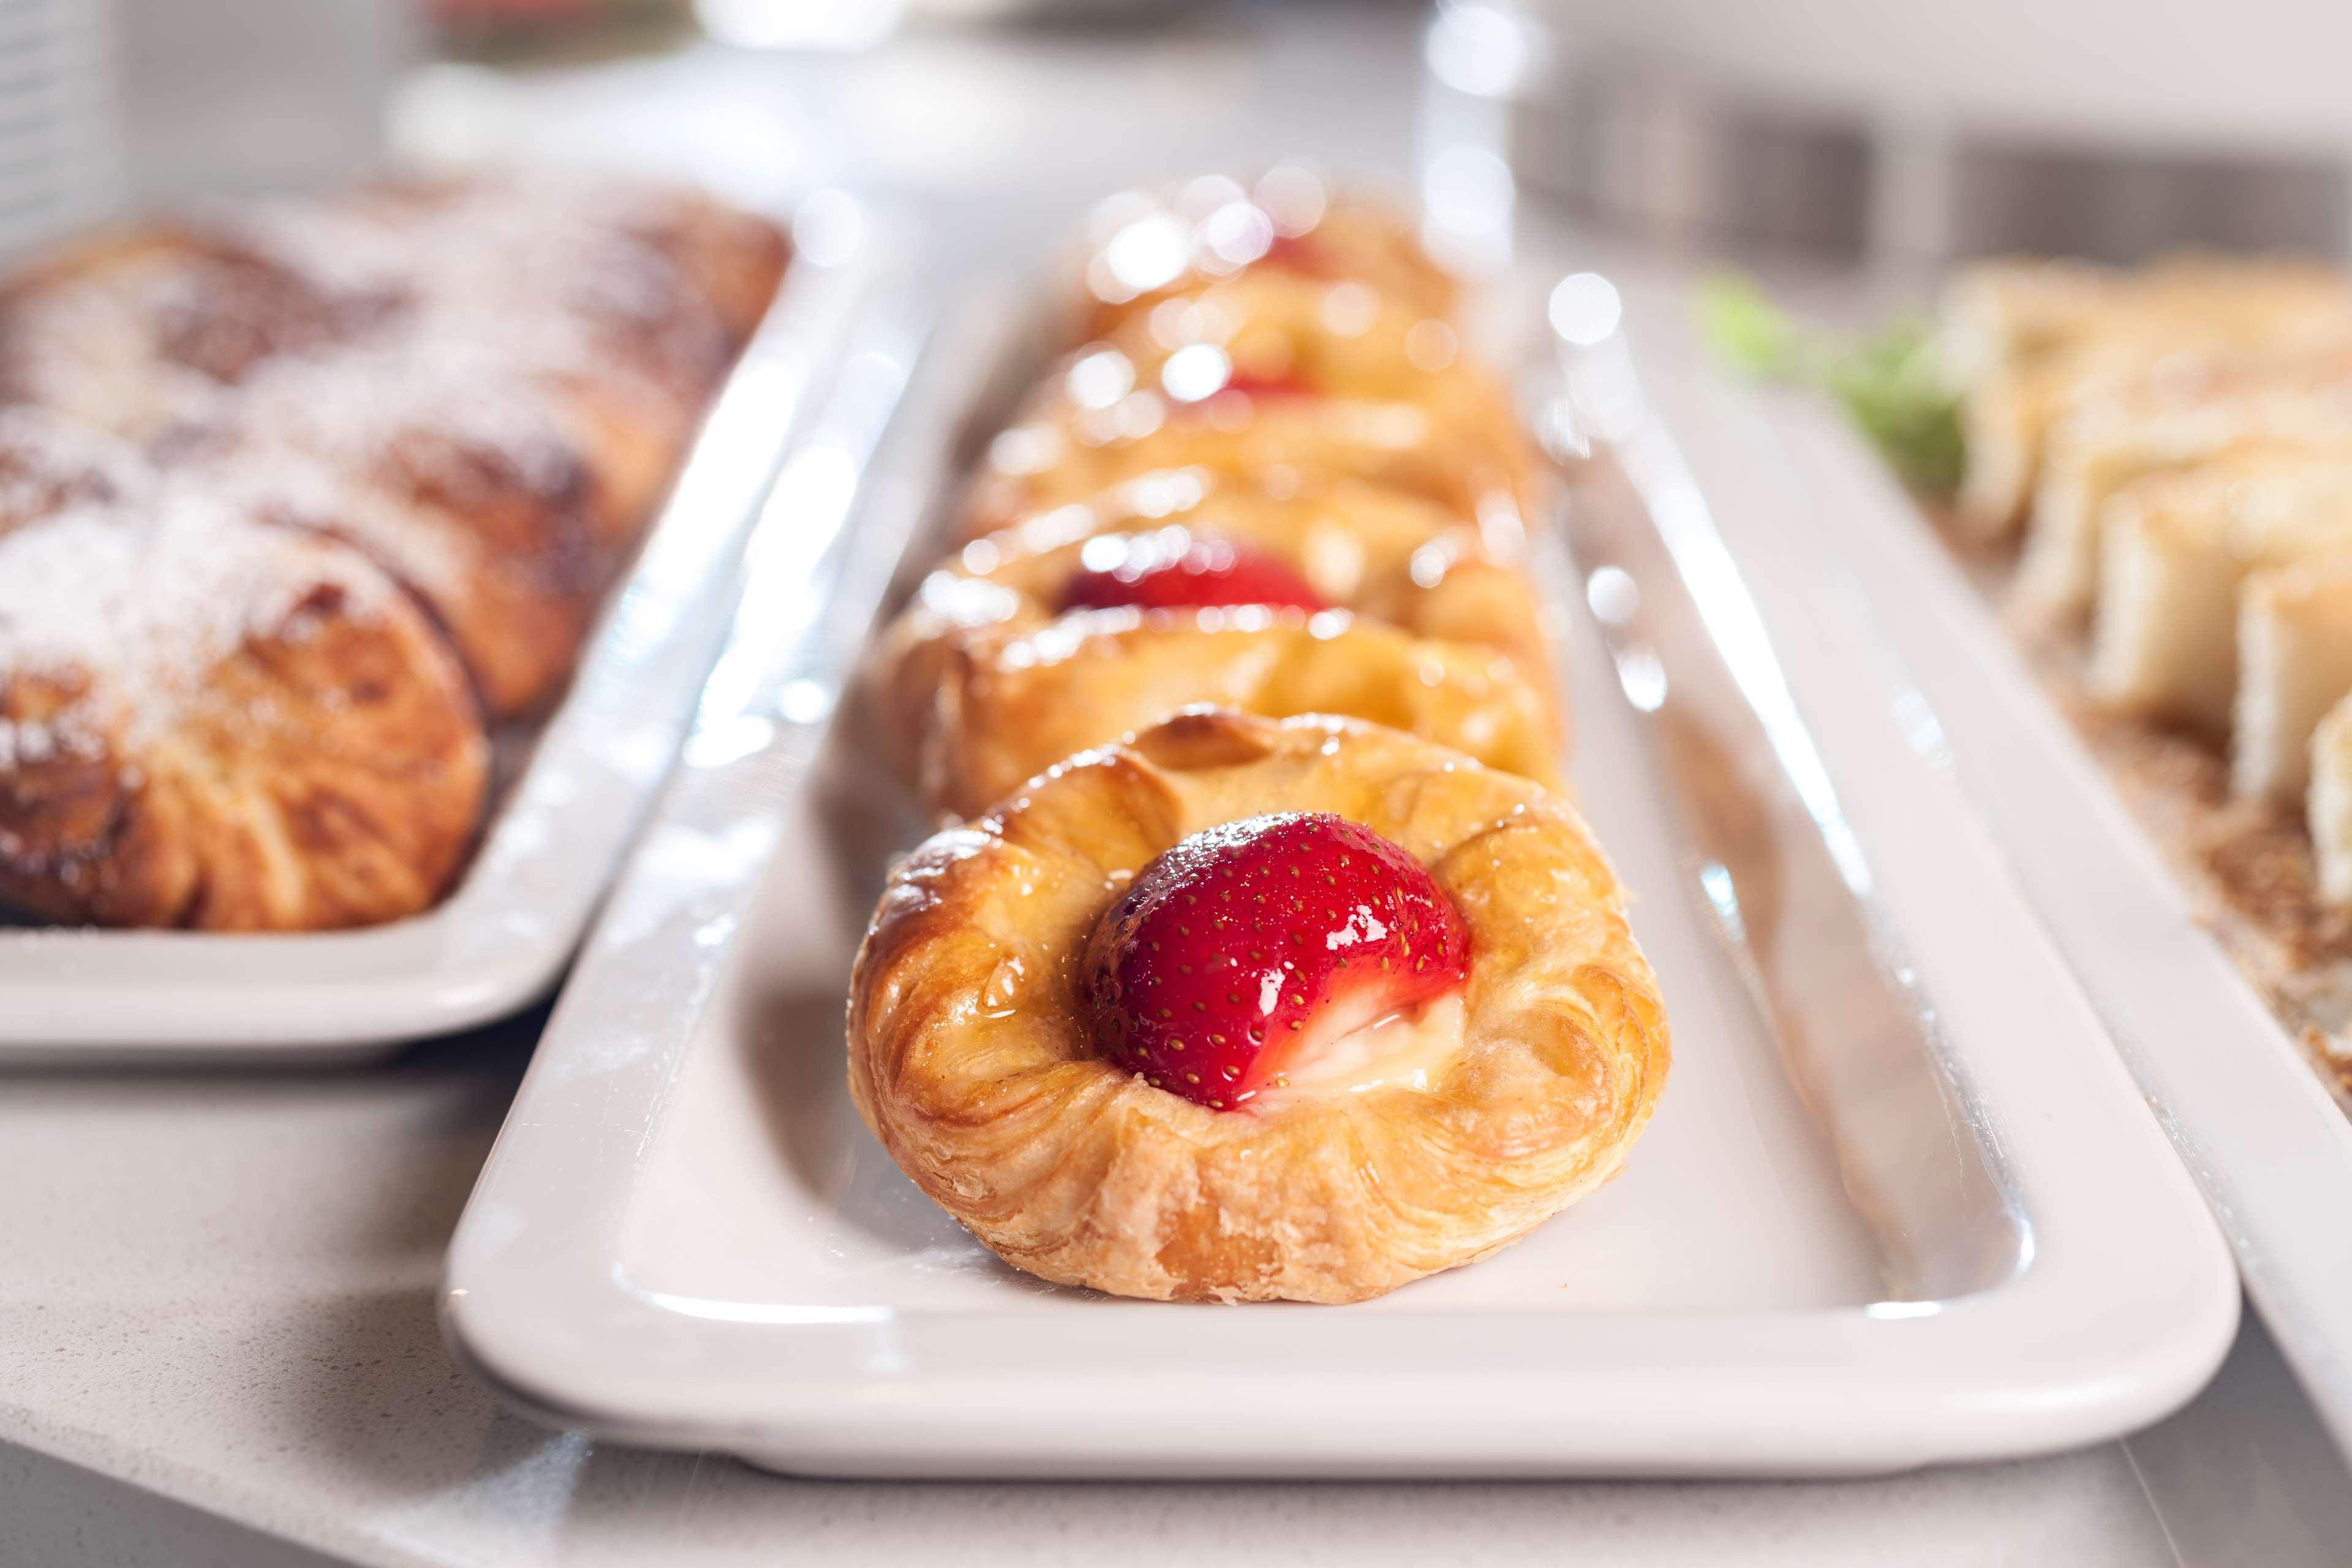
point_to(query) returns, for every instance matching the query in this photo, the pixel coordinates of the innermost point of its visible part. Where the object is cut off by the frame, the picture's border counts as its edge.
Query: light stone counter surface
(216, 1334)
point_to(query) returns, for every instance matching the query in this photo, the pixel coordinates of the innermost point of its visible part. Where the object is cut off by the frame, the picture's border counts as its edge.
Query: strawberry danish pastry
(1246, 1010)
(1147, 248)
(1171, 545)
(1100, 420)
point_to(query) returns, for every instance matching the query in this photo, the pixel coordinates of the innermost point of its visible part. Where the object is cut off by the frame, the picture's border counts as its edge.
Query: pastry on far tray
(2032, 341)
(2190, 408)
(2175, 550)
(1145, 247)
(460, 477)
(1010, 704)
(325, 462)
(1248, 1010)
(1181, 540)
(207, 721)
(1094, 425)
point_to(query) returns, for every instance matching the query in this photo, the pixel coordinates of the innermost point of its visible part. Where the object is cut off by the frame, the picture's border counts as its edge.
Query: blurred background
(1851, 128)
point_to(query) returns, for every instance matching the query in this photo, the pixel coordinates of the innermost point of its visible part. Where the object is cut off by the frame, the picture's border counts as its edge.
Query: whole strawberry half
(1197, 574)
(1247, 947)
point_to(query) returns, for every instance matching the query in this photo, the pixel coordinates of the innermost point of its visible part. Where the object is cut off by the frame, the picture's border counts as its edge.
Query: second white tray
(557, 832)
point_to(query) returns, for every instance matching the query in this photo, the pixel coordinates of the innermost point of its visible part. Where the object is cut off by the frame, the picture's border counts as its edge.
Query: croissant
(1385, 1149)
(207, 721)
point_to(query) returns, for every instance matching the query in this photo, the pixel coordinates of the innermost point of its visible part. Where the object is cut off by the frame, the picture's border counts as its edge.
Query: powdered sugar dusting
(354, 409)
(48, 461)
(535, 271)
(282, 483)
(143, 605)
(89, 347)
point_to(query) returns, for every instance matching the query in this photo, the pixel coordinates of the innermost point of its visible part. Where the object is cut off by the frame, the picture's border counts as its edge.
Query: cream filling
(1403, 1049)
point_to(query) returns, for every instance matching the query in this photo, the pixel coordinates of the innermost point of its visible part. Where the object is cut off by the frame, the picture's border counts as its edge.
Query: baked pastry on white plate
(2031, 341)
(2294, 663)
(2194, 408)
(208, 721)
(1178, 541)
(2175, 550)
(1095, 424)
(1247, 1010)
(2329, 807)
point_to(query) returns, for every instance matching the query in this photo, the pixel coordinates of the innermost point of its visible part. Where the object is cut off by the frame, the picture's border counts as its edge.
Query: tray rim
(536, 1303)
(2258, 1129)
(80, 996)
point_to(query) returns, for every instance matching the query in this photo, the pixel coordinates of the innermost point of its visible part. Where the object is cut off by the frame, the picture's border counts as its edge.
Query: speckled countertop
(217, 1336)
(219, 1290)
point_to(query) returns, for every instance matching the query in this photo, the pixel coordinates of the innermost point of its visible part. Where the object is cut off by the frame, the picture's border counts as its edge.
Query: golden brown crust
(481, 385)
(967, 1059)
(329, 768)
(1346, 239)
(1387, 555)
(1008, 705)
(1453, 445)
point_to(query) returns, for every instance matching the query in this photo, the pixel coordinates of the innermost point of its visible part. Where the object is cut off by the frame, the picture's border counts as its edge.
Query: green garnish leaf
(1890, 382)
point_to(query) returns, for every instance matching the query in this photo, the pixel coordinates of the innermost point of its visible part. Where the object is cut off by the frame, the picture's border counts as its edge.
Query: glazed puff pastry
(1092, 426)
(1387, 555)
(207, 721)
(1149, 247)
(971, 1059)
(1274, 329)
(1012, 704)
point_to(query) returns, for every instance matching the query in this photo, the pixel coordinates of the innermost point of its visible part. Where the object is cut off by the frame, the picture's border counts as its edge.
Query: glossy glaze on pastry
(1010, 704)
(1094, 424)
(1147, 246)
(1390, 557)
(974, 1060)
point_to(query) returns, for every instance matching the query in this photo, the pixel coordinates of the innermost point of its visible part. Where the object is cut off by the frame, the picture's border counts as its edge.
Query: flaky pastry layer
(969, 1057)
(1453, 444)
(1387, 556)
(1010, 705)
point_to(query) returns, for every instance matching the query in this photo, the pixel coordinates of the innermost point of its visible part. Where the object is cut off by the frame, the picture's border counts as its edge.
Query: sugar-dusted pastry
(1091, 425)
(1145, 247)
(1180, 540)
(1247, 1011)
(595, 276)
(454, 473)
(146, 333)
(208, 721)
(49, 463)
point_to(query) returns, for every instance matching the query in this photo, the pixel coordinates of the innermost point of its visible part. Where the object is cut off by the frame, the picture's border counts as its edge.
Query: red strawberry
(1146, 572)
(1242, 383)
(1246, 948)
(1300, 252)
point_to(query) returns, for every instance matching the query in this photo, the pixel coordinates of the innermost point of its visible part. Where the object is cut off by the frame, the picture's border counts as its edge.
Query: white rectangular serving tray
(557, 830)
(2250, 1119)
(1899, 1205)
